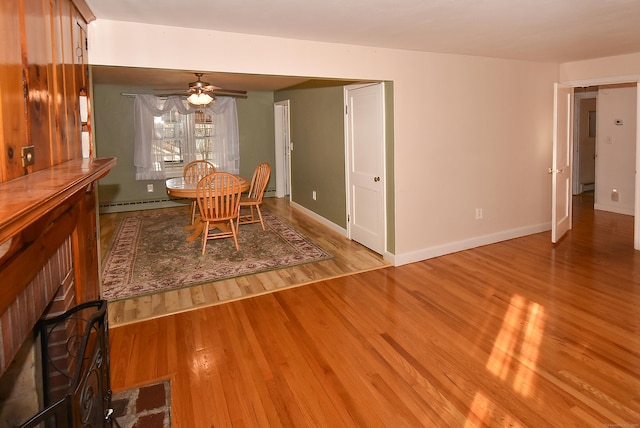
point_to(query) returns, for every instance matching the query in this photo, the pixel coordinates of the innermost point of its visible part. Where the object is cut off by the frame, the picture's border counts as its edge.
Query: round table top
(181, 188)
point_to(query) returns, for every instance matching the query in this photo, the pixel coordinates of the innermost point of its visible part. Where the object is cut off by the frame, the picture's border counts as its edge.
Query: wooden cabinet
(13, 126)
(43, 72)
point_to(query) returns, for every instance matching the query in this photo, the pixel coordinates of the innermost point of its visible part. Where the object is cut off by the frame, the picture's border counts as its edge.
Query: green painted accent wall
(318, 156)
(257, 134)
(114, 136)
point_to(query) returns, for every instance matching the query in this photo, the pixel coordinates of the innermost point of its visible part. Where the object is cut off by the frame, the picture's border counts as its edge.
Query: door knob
(376, 179)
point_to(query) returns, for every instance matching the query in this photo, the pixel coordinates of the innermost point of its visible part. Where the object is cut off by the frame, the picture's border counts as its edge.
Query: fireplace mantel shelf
(26, 199)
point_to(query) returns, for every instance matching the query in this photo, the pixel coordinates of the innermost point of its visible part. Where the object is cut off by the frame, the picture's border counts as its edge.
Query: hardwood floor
(349, 257)
(521, 333)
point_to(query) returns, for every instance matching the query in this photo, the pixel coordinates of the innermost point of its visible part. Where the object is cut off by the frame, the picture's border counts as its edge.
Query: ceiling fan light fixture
(200, 99)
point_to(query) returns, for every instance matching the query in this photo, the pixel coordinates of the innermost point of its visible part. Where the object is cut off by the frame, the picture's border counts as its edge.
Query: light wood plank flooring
(349, 257)
(521, 334)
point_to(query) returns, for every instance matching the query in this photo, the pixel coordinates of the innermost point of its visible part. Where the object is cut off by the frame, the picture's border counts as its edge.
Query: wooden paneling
(38, 72)
(42, 71)
(85, 244)
(13, 127)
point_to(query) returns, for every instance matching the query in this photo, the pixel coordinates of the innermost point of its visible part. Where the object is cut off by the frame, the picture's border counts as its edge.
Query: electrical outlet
(313, 195)
(28, 155)
(615, 196)
(478, 213)
(150, 188)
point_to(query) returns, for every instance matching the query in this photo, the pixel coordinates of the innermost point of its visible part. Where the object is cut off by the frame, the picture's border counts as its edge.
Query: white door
(561, 168)
(283, 149)
(364, 128)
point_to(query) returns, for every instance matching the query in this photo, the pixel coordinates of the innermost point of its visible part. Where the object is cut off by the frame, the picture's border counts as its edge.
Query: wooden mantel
(35, 217)
(28, 198)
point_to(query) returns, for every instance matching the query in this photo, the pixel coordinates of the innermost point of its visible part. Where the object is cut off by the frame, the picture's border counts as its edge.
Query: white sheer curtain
(148, 155)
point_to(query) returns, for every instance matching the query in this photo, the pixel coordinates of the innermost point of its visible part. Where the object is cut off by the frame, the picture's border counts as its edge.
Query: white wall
(616, 149)
(470, 132)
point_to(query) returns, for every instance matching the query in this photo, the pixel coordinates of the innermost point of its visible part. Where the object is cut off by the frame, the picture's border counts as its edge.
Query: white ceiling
(536, 30)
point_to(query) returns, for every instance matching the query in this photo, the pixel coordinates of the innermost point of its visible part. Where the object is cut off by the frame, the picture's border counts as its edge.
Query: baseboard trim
(614, 209)
(319, 218)
(466, 244)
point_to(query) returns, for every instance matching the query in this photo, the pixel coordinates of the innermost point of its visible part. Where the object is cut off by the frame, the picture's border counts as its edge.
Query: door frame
(282, 129)
(613, 81)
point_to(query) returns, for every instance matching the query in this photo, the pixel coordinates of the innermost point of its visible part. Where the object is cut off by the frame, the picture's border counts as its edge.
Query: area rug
(149, 253)
(145, 406)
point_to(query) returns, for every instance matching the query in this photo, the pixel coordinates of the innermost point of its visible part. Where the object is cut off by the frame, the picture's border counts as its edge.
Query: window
(170, 133)
(204, 132)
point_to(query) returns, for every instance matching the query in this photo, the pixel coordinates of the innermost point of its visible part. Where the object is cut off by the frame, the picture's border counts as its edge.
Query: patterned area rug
(149, 253)
(146, 406)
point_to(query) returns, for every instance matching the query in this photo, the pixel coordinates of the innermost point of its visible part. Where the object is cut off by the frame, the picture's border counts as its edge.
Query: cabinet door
(13, 128)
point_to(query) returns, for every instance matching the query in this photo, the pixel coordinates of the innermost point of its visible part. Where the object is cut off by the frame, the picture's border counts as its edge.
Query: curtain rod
(126, 94)
(130, 94)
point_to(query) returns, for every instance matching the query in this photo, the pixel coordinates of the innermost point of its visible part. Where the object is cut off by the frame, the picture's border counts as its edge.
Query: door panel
(561, 168)
(365, 160)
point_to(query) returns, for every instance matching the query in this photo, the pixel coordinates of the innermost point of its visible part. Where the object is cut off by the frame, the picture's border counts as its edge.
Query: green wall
(257, 134)
(114, 136)
(318, 156)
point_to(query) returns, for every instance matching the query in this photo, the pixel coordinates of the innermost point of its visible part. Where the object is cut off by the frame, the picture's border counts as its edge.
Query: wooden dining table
(181, 188)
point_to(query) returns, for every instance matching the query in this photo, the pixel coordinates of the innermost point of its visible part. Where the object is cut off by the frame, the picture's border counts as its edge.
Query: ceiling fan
(203, 93)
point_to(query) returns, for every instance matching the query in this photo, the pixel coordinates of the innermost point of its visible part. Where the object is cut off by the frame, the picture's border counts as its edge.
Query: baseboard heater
(153, 203)
(140, 205)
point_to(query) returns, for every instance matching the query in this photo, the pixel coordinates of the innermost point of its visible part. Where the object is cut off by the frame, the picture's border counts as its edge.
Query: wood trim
(84, 10)
(20, 271)
(26, 199)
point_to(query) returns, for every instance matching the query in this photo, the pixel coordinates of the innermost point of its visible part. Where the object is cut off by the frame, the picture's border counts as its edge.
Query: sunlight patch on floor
(484, 413)
(517, 347)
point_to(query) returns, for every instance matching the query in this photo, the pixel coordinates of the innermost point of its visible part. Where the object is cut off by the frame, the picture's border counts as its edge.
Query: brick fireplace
(48, 264)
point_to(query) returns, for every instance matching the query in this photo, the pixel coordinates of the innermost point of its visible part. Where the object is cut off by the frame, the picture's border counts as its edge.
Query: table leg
(197, 227)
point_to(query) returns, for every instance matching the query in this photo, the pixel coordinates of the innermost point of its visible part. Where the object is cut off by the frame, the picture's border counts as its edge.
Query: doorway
(584, 143)
(636, 158)
(283, 148)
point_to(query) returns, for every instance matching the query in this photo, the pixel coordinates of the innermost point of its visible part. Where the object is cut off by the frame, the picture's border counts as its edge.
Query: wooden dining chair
(218, 197)
(253, 199)
(192, 173)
